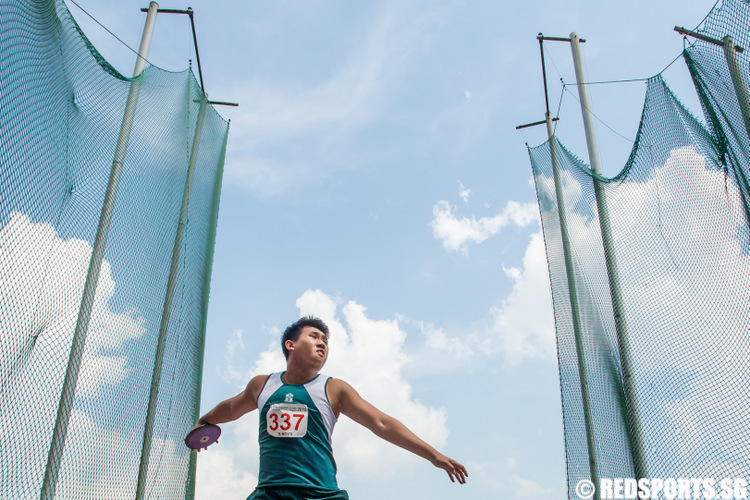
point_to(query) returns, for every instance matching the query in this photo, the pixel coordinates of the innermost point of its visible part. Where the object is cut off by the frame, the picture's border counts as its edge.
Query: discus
(203, 436)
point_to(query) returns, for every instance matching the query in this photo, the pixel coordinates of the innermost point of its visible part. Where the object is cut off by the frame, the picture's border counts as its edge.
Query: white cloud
(456, 232)
(523, 324)
(440, 352)
(43, 278)
(467, 96)
(704, 281)
(229, 371)
(218, 476)
(438, 340)
(464, 192)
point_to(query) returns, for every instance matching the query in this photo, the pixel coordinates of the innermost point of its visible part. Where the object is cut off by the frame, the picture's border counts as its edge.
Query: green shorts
(296, 493)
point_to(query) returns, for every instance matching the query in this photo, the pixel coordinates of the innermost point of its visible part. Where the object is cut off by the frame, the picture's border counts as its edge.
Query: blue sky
(374, 177)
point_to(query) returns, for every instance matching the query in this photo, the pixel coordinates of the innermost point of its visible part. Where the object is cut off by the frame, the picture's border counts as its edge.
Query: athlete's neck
(296, 376)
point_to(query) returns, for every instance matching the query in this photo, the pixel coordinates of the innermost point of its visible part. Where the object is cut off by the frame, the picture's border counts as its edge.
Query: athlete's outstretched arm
(233, 408)
(351, 404)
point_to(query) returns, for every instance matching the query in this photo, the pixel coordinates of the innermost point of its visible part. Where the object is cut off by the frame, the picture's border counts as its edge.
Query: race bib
(287, 420)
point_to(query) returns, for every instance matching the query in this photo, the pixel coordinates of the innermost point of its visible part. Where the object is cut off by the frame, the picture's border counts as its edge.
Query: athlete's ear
(289, 344)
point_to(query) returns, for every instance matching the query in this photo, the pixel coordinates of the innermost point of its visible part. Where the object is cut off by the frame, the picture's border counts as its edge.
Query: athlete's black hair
(294, 330)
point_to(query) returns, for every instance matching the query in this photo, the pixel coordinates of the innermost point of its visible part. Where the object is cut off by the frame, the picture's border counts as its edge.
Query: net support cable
(631, 397)
(57, 446)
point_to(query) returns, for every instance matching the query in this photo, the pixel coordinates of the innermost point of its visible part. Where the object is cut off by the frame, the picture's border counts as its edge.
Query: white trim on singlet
(316, 388)
(273, 382)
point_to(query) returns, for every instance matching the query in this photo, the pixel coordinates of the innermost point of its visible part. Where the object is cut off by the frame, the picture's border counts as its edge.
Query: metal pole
(730, 53)
(540, 37)
(588, 121)
(190, 13)
(197, 54)
(631, 401)
(740, 88)
(67, 396)
(572, 291)
(211, 240)
(574, 309)
(167, 309)
(148, 31)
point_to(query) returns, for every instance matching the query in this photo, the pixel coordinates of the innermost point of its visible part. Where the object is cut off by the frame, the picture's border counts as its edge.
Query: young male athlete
(298, 409)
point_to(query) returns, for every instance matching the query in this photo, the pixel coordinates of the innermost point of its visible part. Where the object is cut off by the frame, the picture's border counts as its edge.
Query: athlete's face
(312, 344)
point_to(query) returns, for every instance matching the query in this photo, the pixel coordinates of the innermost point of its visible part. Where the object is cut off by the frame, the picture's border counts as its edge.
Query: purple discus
(203, 436)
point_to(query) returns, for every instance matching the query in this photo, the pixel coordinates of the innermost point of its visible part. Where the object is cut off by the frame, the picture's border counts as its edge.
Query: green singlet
(296, 458)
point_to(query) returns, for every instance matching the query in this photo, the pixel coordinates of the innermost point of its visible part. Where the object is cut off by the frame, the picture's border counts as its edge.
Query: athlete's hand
(455, 470)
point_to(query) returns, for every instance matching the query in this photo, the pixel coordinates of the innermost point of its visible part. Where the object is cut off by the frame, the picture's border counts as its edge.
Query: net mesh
(61, 108)
(678, 214)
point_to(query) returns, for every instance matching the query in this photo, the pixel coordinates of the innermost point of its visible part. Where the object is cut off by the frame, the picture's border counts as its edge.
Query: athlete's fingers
(454, 473)
(459, 471)
(463, 470)
(458, 476)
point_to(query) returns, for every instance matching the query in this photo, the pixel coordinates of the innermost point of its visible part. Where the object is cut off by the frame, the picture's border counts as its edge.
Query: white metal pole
(631, 397)
(574, 309)
(583, 94)
(167, 309)
(740, 87)
(57, 446)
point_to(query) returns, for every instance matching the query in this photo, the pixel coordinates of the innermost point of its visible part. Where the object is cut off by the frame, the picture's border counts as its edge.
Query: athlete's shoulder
(337, 388)
(255, 386)
(345, 399)
(259, 379)
(337, 383)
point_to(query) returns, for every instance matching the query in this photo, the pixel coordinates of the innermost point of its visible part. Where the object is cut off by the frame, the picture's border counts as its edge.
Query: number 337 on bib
(285, 420)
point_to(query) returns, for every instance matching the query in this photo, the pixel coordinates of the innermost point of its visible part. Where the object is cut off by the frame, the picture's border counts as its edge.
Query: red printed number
(299, 417)
(286, 423)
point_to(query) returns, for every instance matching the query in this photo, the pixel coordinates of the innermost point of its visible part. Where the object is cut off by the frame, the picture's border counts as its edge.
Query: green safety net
(61, 109)
(680, 251)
